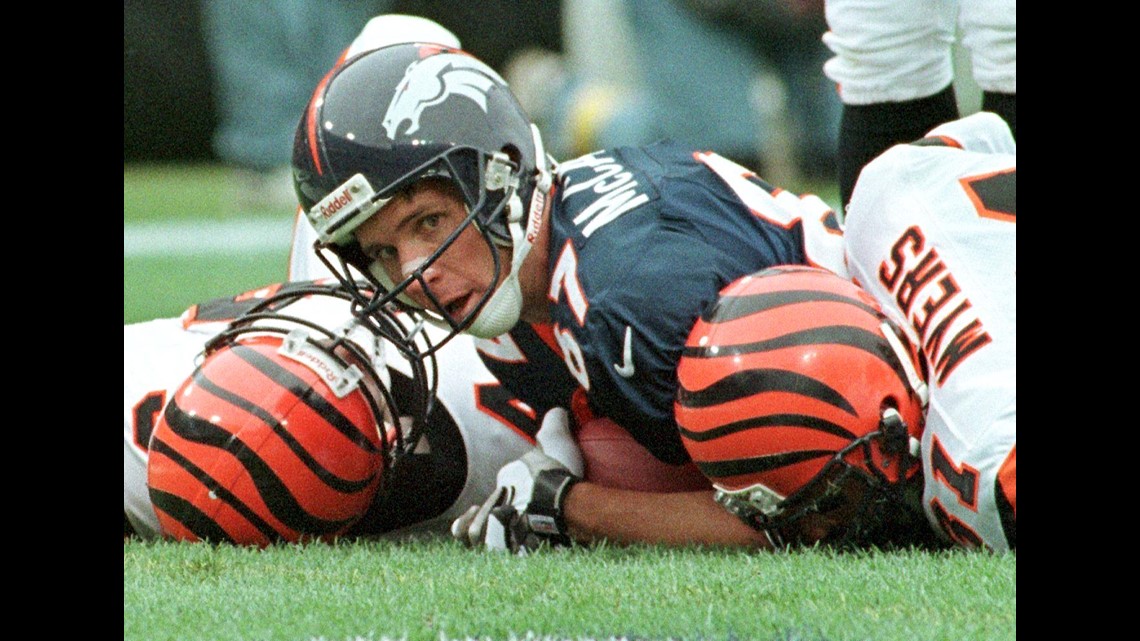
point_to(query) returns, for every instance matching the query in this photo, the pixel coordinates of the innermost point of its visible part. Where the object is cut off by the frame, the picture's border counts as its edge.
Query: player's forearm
(595, 512)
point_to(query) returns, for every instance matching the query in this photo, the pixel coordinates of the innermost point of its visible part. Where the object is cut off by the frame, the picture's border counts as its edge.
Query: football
(614, 459)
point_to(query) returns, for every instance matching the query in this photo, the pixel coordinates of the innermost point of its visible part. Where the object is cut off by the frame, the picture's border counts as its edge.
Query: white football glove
(525, 509)
(553, 466)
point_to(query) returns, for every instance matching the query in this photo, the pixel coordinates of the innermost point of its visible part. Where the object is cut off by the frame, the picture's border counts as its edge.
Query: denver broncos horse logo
(432, 81)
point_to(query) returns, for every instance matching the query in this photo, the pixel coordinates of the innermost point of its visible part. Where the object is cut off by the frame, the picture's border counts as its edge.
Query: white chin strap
(913, 377)
(503, 309)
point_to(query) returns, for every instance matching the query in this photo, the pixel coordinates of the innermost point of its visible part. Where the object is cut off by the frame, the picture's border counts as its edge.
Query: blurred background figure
(182, 213)
(739, 76)
(900, 67)
(226, 80)
(266, 56)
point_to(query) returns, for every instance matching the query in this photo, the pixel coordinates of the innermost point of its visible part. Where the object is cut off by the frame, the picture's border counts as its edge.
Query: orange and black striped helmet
(791, 380)
(283, 433)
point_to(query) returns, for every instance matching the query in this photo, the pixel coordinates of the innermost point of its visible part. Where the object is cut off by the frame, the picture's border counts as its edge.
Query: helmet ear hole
(895, 437)
(513, 153)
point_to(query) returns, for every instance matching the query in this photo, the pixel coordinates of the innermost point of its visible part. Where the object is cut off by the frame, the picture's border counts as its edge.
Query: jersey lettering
(572, 354)
(966, 341)
(961, 479)
(614, 184)
(933, 305)
(955, 528)
(925, 289)
(565, 278)
(145, 415)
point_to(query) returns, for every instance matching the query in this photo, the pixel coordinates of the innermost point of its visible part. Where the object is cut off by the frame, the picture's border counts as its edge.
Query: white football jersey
(303, 261)
(476, 429)
(932, 234)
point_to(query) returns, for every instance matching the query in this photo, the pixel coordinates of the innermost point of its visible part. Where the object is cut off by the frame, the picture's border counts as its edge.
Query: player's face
(407, 230)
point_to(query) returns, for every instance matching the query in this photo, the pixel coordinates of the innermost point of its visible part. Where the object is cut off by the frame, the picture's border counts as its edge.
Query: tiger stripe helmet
(793, 379)
(283, 433)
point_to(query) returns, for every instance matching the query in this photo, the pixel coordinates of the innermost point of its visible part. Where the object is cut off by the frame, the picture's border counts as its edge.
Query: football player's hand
(525, 510)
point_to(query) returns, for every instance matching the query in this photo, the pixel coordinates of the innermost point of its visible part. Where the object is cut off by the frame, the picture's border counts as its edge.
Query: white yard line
(197, 238)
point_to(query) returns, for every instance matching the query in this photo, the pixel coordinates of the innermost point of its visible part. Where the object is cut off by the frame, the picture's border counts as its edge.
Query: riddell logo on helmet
(534, 224)
(338, 203)
(319, 367)
(341, 380)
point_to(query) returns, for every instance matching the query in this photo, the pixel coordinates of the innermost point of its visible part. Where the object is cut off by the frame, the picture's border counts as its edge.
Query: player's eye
(384, 253)
(431, 222)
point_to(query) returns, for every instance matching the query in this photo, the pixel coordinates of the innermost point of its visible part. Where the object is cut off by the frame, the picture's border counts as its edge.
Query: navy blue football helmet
(393, 116)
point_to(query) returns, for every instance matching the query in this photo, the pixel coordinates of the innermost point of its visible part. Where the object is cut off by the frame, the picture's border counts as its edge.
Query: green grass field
(185, 240)
(432, 591)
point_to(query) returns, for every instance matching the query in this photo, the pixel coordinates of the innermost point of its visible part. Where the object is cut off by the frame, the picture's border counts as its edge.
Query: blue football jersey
(642, 241)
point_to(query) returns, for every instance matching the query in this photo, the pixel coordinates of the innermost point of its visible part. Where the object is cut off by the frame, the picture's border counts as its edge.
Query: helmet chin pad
(504, 309)
(501, 312)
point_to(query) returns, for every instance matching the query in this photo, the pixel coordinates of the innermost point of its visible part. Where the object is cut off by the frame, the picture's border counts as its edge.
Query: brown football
(614, 459)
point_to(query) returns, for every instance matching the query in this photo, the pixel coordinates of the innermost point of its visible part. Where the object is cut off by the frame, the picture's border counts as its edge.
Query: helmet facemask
(357, 351)
(851, 481)
(489, 185)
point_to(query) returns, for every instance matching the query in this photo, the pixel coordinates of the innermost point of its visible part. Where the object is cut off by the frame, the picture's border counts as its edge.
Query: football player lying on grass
(798, 402)
(285, 429)
(419, 171)
(451, 206)
(822, 411)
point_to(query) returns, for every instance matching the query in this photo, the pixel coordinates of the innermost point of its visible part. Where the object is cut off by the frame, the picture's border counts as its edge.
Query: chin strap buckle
(754, 506)
(896, 440)
(500, 172)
